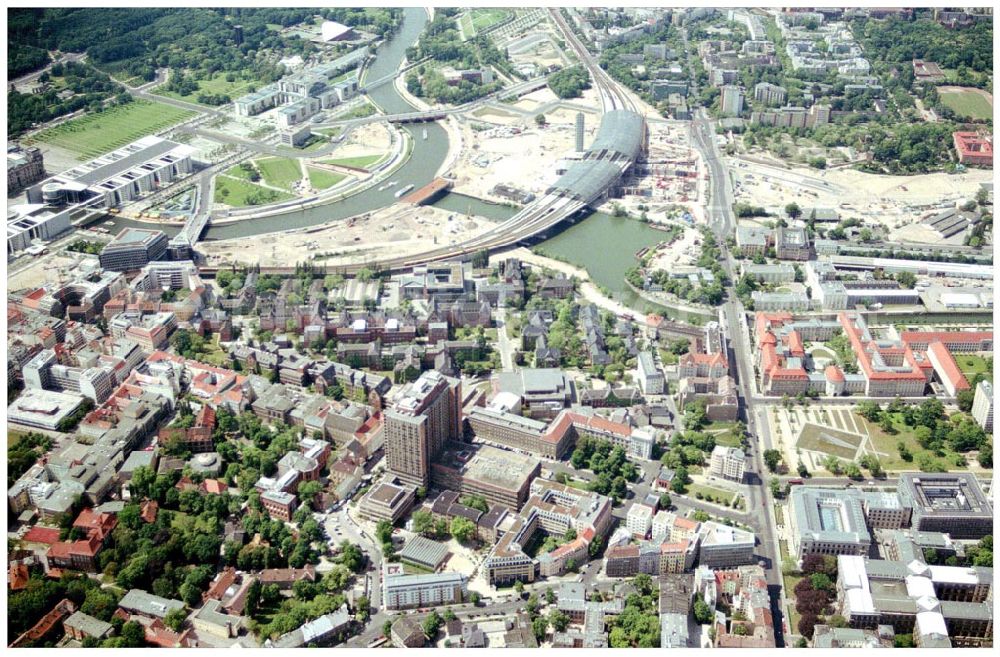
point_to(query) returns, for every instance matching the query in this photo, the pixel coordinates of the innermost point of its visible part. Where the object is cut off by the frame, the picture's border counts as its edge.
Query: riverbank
(707, 311)
(588, 289)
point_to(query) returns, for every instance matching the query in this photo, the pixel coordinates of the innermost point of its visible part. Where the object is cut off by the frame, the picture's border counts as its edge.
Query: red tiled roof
(149, 510)
(833, 373)
(945, 336)
(622, 551)
(46, 535)
(18, 576)
(214, 486)
(947, 367)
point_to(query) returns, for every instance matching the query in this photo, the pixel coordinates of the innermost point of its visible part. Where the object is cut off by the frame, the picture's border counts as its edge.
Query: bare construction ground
(896, 202)
(521, 155)
(399, 229)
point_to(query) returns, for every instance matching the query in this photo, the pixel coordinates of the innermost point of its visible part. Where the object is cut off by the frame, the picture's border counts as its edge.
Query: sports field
(484, 18)
(472, 22)
(280, 171)
(323, 179)
(97, 133)
(967, 102)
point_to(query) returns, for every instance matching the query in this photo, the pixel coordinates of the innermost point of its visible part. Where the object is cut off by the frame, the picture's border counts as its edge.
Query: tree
(870, 411)
(558, 620)
(532, 604)
(772, 459)
(793, 210)
(387, 628)
(351, 557)
(643, 583)
(309, 491)
(595, 547)
(133, 635)
(477, 502)
(775, 487)
(519, 587)
(362, 609)
(906, 279)
(336, 579)
(539, 120)
(431, 625)
(175, 619)
(550, 597)
(423, 522)
(964, 399)
(383, 531)
(665, 500)
(702, 612)
(539, 627)
(807, 625)
(462, 529)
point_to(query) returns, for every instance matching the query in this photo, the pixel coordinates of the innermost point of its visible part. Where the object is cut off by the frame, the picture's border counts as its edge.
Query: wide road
(720, 211)
(760, 504)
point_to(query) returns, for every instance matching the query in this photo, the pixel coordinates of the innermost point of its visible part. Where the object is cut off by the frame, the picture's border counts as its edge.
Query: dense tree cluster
(134, 42)
(569, 82)
(23, 452)
(639, 624)
(909, 148)
(27, 606)
(816, 592)
(712, 293)
(613, 470)
(622, 72)
(933, 430)
(897, 43)
(91, 88)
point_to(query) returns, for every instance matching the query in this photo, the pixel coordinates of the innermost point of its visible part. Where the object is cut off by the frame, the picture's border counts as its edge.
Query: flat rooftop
(487, 465)
(956, 493)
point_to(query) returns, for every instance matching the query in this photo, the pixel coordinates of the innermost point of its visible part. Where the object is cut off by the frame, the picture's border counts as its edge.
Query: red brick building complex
(974, 148)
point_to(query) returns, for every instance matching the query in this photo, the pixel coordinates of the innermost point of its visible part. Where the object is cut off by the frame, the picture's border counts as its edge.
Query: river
(603, 245)
(422, 166)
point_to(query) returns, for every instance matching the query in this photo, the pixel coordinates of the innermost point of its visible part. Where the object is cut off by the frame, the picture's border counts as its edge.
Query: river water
(603, 245)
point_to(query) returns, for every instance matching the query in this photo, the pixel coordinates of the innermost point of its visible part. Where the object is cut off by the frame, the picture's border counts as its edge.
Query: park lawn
(415, 569)
(342, 77)
(465, 27)
(329, 132)
(886, 445)
(789, 582)
(314, 143)
(972, 365)
(217, 84)
(97, 133)
(240, 192)
(359, 162)
(710, 491)
(484, 18)
(359, 112)
(968, 104)
(727, 439)
(214, 354)
(323, 179)
(280, 171)
(237, 171)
